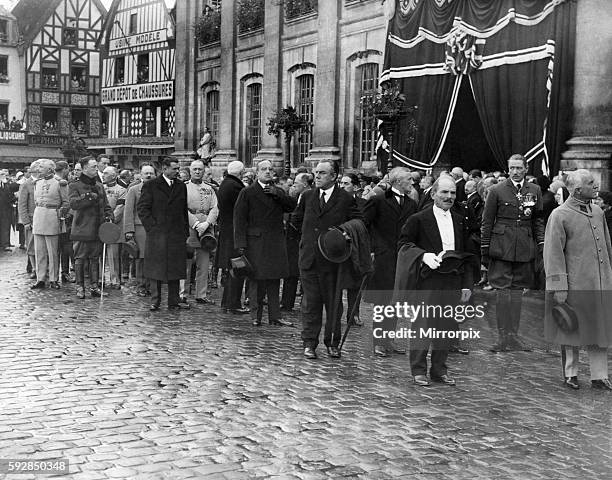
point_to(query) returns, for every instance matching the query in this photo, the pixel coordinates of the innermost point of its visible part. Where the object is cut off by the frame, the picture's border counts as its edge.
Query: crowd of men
(331, 233)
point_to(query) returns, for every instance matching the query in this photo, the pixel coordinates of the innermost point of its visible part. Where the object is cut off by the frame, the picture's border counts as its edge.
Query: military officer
(115, 194)
(51, 199)
(512, 239)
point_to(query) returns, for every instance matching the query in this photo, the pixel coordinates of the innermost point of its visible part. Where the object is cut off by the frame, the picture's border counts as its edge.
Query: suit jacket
(25, 202)
(425, 200)
(384, 218)
(163, 212)
(421, 232)
(258, 227)
(313, 221)
(508, 232)
(226, 200)
(461, 196)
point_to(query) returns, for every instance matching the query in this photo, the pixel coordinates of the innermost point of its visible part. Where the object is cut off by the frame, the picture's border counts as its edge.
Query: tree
(286, 120)
(74, 149)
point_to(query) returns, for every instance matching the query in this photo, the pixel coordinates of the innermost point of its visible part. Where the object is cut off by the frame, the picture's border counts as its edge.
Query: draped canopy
(517, 56)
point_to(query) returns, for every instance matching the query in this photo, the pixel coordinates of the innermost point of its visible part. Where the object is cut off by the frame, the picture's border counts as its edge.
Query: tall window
(119, 70)
(49, 121)
(133, 23)
(4, 120)
(305, 107)
(78, 78)
(253, 121)
(50, 77)
(124, 122)
(4, 69)
(79, 121)
(212, 113)
(149, 120)
(142, 72)
(368, 81)
(3, 31)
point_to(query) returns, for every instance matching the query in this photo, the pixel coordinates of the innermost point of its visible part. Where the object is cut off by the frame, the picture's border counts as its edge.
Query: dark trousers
(173, 292)
(232, 292)
(418, 361)
(290, 285)
(21, 232)
(5, 231)
(510, 278)
(66, 252)
(351, 298)
(258, 289)
(319, 289)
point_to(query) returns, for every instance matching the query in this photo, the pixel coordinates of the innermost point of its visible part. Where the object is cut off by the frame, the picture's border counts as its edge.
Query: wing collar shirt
(328, 193)
(444, 220)
(397, 194)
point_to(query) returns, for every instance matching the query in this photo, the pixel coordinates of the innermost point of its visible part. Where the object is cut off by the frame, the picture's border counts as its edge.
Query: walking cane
(364, 282)
(107, 233)
(103, 270)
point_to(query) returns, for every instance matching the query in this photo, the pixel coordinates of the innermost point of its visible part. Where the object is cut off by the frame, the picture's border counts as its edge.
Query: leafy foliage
(297, 8)
(208, 27)
(286, 120)
(250, 15)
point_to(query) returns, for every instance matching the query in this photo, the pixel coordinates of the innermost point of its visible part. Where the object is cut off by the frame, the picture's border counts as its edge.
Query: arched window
(252, 122)
(304, 104)
(366, 136)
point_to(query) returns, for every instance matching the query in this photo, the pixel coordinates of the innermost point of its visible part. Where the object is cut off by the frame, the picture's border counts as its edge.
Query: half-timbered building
(62, 68)
(138, 90)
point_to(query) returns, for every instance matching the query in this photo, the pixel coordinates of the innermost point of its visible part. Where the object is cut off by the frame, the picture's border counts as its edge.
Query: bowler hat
(335, 245)
(565, 317)
(109, 233)
(131, 247)
(208, 242)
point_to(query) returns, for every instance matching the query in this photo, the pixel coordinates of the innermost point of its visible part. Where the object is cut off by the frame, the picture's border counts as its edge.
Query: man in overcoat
(326, 206)
(424, 238)
(512, 239)
(578, 266)
(259, 234)
(133, 228)
(162, 208)
(385, 215)
(25, 209)
(91, 209)
(226, 200)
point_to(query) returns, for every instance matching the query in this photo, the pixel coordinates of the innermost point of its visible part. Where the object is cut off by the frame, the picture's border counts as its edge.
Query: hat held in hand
(565, 317)
(109, 233)
(335, 245)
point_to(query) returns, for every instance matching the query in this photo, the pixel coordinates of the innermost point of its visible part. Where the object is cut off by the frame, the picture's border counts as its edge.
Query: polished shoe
(572, 382)
(515, 345)
(8, 249)
(500, 346)
(281, 323)
(380, 351)
(357, 322)
(213, 285)
(333, 352)
(310, 353)
(239, 311)
(445, 379)
(398, 350)
(96, 292)
(80, 293)
(603, 384)
(182, 299)
(256, 322)
(54, 285)
(22, 247)
(205, 301)
(421, 380)
(488, 287)
(462, 351)
(179, 306)
(32, 275)
(141, 293)
(154, 307)
(68, 278)
(38, 286)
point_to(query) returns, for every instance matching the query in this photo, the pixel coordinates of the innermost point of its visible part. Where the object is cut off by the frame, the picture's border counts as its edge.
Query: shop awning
(28, 153)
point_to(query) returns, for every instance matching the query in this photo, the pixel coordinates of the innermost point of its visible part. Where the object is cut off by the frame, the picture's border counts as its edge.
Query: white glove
(431, 260)
(466, 293)
(202, 227)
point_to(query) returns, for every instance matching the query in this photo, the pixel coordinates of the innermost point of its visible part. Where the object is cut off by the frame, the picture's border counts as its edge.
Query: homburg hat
(335, 245)
(565, 317)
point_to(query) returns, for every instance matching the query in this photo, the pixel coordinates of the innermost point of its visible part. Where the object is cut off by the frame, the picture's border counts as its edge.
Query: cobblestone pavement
(125, 393)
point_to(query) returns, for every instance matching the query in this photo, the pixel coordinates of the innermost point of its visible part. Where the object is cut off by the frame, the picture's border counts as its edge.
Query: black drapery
(517, 57)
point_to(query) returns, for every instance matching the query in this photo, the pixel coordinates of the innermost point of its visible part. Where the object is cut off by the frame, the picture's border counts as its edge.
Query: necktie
(197, 182)
(322, 200)
(519, 186)
(401, 199)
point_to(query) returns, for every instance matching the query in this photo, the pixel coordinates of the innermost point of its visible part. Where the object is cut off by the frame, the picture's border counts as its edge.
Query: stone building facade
(319, 57)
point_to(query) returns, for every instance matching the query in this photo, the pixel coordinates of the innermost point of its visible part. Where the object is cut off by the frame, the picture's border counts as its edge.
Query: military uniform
(202, 207)
(512, 238)
(51, 200)
(115, 195)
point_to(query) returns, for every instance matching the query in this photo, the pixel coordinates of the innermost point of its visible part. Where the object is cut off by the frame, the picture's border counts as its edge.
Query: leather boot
(514, 342)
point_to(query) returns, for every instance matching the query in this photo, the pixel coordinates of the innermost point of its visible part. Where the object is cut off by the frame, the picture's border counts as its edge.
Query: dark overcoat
(384, 218)
(163, 212)
(508, 232)
(226, 200)
(292, 240)
(89, 213)
(258, 227)
(341, 207)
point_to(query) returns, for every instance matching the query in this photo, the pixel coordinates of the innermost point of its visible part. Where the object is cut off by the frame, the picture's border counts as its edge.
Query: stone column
(272, 81)
(187, 134)
(226, 143)
(591, 144)
(325, 130)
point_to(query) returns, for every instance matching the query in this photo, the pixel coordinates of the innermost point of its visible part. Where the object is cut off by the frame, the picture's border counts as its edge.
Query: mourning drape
(516, 55)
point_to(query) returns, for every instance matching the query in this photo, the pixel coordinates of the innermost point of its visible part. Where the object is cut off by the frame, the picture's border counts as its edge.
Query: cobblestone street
(125, 393)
